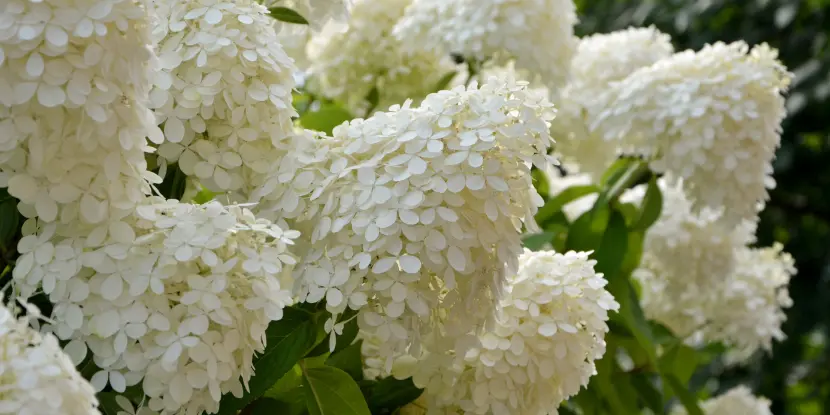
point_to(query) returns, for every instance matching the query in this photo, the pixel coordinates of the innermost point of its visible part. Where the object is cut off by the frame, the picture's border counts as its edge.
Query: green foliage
(329, 391)
(325, 118)
(284, 14)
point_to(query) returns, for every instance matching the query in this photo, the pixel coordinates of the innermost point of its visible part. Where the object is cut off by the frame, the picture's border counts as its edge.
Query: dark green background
(796, 376)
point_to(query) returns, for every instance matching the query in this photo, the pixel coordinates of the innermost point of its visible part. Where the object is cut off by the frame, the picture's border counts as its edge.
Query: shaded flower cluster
(712, 116)
(348, 61)
(540, 352)
(497, 30)
(703, 281)
(37, 377)
(738, 400)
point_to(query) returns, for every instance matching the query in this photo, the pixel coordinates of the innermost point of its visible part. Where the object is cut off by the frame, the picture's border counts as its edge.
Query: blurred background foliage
(796, 375)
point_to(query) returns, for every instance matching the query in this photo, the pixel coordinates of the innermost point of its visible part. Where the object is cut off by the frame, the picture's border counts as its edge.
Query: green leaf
(688, 399)
(586, 232)
(9, 221)
(647, 392)
(373, 98)
(652, 206)
(617, 168)
(621, 180)
(607, 373)
(288, 340)
(614, 246)
(563, 198)
(445, 80)
(284, 14)
(388, 394)
(328, 116)
(681, 361)
(270, 406)
(349, 360)
(633, 253)
(107, 404)
(536, 241)
(203, 196)
(329, 390)
(174, 183)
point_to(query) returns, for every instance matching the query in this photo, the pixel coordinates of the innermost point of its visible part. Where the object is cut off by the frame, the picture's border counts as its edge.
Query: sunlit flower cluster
(599, 61)
(418, 211)
(37, 377)
(178, 294)
(701, 280)
(223, 94)
(712, 116)
(497, 30)
(737, 401)
(540, 352)
(348, 62)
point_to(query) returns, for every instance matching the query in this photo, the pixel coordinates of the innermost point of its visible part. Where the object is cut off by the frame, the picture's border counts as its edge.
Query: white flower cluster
(497, 30)
(178, 294)
(600, 60)
(347, 62)
(72, 124)
(418, 211)
(37, 377)
(712, 116)
(223, 93)
(737, 401)
(175, 294)
(701, 279)
(540, 352)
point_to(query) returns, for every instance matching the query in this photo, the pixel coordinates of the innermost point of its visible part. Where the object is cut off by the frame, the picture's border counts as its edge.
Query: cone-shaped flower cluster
(37, 377)
(701, 279)
(600, 60)
(712, 116)
(223, 94)
(540, 352)
(497, 30)
(418, 211)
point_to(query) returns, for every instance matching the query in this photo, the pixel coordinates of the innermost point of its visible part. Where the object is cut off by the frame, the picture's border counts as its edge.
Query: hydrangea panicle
(599, 61)
(223, 94)
(37, 377)
(540, 352)
(348, 60)
(497, 30)
(712, 116)
(415, 214)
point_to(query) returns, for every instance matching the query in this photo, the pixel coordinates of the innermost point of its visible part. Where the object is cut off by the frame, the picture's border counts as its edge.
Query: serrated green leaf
(652, 206)
(203, 196)
(329, 391)
(389, 394)
(328, 116)
(349, 360)
(284, 14)
(288, 340)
